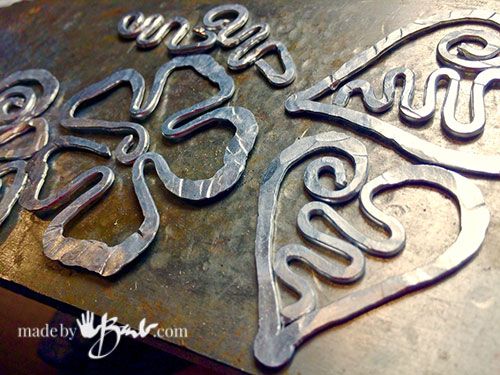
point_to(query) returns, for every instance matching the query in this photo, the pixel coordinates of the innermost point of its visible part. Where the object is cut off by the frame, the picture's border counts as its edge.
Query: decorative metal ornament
(283, 328)
(141, 108)
(123, 152)
(19, 107)
(252, 44)
(38, 167)
(150, 31)
(95, 255)
(485, 63)
(90, 254)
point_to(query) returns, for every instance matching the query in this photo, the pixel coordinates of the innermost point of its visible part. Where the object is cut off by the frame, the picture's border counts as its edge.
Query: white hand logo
(86, 325)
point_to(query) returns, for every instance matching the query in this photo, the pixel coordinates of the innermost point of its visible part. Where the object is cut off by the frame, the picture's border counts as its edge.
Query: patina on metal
(251, 43)
(484, 62)
(283, 328)
(93, 255)
(19, 105)
(96, 255)
(235, 155)
(141, 108)
(199, 272)
(150, 31)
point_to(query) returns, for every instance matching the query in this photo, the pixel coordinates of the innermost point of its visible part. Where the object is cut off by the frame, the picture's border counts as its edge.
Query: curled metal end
(20, 106)
(483, 62)
(284, 327)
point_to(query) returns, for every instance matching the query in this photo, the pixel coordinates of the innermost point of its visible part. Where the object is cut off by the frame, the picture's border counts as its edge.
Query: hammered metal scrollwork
(251, 44)
(222, 24)
(124, 152)
(150, 31)
(97, 256)
(20, 107)
(141, 107)
(235, 157)
(484, 63)
(82, 192)
(38, 167)
(283, 328)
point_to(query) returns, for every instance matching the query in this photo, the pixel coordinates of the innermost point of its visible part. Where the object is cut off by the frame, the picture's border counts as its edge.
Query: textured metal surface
(19, 107)
(199, 273)
(251, 44)
(95, 255)
(152, 30)
(11, 196)
(485, 62)
(283, 327)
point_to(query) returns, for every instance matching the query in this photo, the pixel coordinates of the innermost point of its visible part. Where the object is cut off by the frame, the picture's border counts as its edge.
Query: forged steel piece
(216, 19)
(95, 255)
(19, 106)
(125, 152)
(90, 254)
(294, 252)
(483, 62)
(469, 58)
(12, 94)
(11, 195)
(107, 260)
(419, 116)
(70, 251)
(179, 124)
(38, 167)
(141, 108)
(235, 157)
(277, 79)
(269, 318)
(150, 31)
(283, 328)
(252, 44)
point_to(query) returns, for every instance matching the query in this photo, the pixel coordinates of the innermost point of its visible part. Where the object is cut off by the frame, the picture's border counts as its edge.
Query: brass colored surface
(199, 273)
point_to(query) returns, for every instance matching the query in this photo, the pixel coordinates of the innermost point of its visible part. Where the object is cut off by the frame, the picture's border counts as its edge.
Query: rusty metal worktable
(200, 271)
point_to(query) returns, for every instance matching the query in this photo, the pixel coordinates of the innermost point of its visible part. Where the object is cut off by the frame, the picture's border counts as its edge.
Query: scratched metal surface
(200, 272)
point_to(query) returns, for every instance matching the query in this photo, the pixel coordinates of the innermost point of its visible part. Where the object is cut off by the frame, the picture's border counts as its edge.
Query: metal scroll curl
(483, 63)
(20, 108)
(178, 125)
(283, 328)
(223, 25)
(141, 108)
